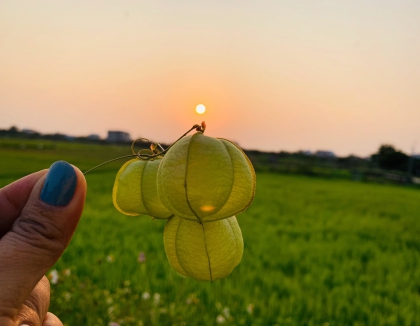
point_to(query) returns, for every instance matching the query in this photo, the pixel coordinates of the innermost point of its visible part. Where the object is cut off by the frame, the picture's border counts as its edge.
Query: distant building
(118, 137)
(94, 137)
(325, 154)
(29, 131)
(67, 137)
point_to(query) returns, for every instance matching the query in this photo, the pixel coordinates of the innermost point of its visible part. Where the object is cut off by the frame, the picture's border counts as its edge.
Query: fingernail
(59, 185)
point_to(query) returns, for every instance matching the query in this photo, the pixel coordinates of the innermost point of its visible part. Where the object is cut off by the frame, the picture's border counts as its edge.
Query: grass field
(317, 252)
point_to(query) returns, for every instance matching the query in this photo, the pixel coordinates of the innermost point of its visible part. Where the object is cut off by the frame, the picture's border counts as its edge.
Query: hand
(38, 216)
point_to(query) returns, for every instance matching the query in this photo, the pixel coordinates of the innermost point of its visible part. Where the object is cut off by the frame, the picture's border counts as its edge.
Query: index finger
(35, 308)
(52, 320)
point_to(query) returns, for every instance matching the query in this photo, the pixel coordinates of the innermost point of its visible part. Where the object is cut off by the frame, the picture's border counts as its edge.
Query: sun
(200, 109)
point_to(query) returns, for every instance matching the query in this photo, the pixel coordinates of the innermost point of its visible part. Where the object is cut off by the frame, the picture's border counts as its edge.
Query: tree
(13, 130)
(389, 158)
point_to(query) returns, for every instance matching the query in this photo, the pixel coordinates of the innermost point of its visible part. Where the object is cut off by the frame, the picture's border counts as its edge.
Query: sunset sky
(273, 75)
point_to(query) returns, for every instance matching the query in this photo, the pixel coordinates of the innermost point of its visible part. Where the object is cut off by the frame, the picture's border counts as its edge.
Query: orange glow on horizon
(65, 64)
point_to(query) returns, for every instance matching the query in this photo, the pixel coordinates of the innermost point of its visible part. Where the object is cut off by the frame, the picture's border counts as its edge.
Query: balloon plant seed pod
(135, 191)
(203, 251)
(205, 179)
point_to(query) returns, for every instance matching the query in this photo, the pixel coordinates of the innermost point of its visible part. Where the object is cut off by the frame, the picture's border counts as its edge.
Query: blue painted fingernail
(59, 185)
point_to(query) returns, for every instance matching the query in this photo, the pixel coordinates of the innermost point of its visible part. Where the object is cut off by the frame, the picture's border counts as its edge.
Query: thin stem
(114, 159)
(147, 156)
(132, 144)
(160, 146)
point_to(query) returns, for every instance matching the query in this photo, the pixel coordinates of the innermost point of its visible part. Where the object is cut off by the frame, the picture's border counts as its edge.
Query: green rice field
(318, 251)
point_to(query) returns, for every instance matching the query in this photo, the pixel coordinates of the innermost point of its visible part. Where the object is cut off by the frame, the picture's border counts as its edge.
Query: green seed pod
(135, 189)
(206, 251)
(205, 179)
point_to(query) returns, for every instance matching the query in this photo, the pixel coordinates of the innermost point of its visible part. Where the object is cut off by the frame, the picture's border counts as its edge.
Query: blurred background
(324, 98)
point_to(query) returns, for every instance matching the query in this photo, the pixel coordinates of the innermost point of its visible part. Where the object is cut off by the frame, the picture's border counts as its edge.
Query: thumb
(40, 234)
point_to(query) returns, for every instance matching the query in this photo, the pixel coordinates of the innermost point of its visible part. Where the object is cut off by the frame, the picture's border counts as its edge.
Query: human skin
(35, 230)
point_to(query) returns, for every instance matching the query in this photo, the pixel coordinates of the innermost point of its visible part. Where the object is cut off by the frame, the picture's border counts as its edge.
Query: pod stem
(157, 153)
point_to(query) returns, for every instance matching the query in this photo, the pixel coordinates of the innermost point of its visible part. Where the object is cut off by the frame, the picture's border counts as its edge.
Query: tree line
(386, 158)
